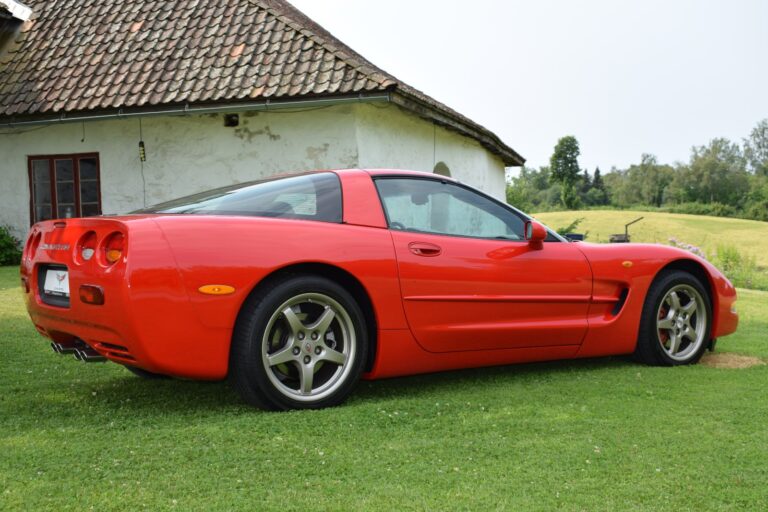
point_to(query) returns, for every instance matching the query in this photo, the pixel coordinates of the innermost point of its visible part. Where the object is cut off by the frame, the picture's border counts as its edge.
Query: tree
(531, 190)
(596, 195)
(716, 173)
(564, 169)
(756, 149)
(650, 180)
(597, 181)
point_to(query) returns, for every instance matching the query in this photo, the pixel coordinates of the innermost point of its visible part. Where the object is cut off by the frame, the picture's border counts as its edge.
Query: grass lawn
(749, 236)
(602, 434)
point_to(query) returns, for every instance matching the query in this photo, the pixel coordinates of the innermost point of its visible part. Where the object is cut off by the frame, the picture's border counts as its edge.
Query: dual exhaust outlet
(80, 350)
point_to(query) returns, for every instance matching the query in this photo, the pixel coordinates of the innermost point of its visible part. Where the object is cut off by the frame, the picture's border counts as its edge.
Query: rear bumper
(179, 346)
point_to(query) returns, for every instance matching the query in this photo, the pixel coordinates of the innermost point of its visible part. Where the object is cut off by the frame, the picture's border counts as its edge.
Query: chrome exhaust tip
(70, 348)
(88, 355)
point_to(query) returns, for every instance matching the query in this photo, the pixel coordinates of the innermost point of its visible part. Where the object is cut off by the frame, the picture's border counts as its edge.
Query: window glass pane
(65, 193)
(42, 193)
(65, 170)
(66, 211)
(89, 191)
(42, 213)
(88, 169)
(309, 197)
(444, 208)
(41, 172)
(89, 210)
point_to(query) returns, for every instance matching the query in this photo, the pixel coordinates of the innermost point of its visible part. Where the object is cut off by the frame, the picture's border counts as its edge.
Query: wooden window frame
(75, 157)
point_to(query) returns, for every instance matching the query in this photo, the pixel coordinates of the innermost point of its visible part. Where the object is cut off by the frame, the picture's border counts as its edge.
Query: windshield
(308, 197)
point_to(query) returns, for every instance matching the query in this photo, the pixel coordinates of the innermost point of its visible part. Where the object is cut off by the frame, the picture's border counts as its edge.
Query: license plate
(56, 283)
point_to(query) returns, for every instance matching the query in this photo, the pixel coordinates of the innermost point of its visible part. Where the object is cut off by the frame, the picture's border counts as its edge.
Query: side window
(431, 206)
(308, 197)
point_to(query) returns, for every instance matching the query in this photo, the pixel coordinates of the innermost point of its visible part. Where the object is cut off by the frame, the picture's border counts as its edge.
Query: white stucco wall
(390, 137)
(185, 154)
(188, 154)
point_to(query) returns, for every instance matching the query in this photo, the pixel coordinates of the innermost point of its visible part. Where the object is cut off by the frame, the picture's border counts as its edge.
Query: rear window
(308, 197)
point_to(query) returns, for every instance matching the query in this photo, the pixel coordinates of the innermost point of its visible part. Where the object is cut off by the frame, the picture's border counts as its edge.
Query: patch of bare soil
(730, 361)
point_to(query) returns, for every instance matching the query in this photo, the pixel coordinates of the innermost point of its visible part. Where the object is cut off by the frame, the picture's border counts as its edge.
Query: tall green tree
(564, 169)
(756, 149)
(597, 181)
(596, 195)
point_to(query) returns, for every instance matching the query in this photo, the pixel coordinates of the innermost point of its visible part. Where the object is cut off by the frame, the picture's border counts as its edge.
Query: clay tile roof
(75, 56)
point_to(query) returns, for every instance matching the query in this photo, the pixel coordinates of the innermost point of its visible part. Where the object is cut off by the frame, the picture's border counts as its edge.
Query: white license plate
(56, 283)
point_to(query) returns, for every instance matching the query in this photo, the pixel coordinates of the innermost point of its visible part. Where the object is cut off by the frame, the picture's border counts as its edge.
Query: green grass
(603, 434)
(749, 236)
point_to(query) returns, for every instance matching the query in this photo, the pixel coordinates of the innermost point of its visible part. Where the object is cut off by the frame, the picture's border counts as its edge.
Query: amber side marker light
(90, 294)
(216, 289)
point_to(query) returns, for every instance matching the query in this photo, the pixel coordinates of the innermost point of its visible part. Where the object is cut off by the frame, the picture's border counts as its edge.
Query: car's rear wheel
(299, 343)
(676, 322)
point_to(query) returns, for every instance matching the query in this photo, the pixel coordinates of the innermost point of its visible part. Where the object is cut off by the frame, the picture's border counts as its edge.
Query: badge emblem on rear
(55, 247)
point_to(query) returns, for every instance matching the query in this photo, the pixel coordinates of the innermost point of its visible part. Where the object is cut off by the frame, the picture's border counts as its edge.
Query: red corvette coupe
(296, 287)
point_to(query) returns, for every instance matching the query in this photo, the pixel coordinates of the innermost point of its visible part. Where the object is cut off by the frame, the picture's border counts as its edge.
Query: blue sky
(624, 77)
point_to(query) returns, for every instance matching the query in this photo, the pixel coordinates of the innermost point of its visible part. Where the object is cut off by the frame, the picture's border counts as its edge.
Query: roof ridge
(310, 28)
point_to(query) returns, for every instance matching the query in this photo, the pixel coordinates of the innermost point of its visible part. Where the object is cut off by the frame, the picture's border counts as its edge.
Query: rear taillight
(113, 248)
(86, 247)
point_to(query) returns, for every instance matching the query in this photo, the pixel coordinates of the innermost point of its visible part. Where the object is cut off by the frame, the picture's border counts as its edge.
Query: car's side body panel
(479, 294)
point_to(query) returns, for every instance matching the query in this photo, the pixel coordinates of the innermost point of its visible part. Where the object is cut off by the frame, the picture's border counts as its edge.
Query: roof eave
(486, 138)
(17, 9)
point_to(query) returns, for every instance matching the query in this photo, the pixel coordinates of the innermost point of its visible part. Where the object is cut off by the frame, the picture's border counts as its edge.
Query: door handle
(424, 249)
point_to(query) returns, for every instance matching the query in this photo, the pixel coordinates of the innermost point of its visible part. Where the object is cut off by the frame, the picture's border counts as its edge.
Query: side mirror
(535, 232)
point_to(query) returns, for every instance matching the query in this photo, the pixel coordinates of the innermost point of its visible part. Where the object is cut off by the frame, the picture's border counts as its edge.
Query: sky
(624, 77)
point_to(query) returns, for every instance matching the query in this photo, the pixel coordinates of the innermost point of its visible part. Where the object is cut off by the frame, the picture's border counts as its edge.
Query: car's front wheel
(676, 322)
(299, 343)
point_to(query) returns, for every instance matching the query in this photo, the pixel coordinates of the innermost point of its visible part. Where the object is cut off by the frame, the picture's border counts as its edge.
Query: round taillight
(113, 248)
(86, 247)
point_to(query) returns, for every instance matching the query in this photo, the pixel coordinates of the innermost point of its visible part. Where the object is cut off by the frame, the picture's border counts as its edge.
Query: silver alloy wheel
(308, 347)
(681, 322)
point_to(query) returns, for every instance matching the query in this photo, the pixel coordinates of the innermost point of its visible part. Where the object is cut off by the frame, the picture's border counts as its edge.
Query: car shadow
(126, 397)
(428, 384)
(174, 395)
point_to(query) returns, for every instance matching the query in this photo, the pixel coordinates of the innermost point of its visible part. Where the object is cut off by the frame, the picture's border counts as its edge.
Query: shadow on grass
(145, 397)
(494, 376)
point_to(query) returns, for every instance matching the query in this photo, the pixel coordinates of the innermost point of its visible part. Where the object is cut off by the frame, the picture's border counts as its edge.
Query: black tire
(662, 323)
(144, 374)
(306, 371)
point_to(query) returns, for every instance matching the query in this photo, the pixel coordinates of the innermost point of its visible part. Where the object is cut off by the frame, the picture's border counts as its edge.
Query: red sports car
(296, 287)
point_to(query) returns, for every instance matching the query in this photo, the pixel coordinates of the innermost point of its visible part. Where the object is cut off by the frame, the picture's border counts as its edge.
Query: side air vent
(620, 303)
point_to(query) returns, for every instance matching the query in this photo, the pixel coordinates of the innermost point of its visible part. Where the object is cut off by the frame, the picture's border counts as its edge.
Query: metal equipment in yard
(623, 238)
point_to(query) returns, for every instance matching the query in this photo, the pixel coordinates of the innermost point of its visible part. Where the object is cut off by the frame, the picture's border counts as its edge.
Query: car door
(470, 281)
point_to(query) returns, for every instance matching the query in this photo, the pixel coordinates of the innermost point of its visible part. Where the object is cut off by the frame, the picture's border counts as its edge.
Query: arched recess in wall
(442, 169)
(440, 202)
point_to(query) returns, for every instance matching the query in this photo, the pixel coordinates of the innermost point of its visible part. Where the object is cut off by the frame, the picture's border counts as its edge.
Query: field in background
(748, 236)
(603, 434)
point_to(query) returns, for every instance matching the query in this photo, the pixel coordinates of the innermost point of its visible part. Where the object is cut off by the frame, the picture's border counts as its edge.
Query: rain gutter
(187, 109)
